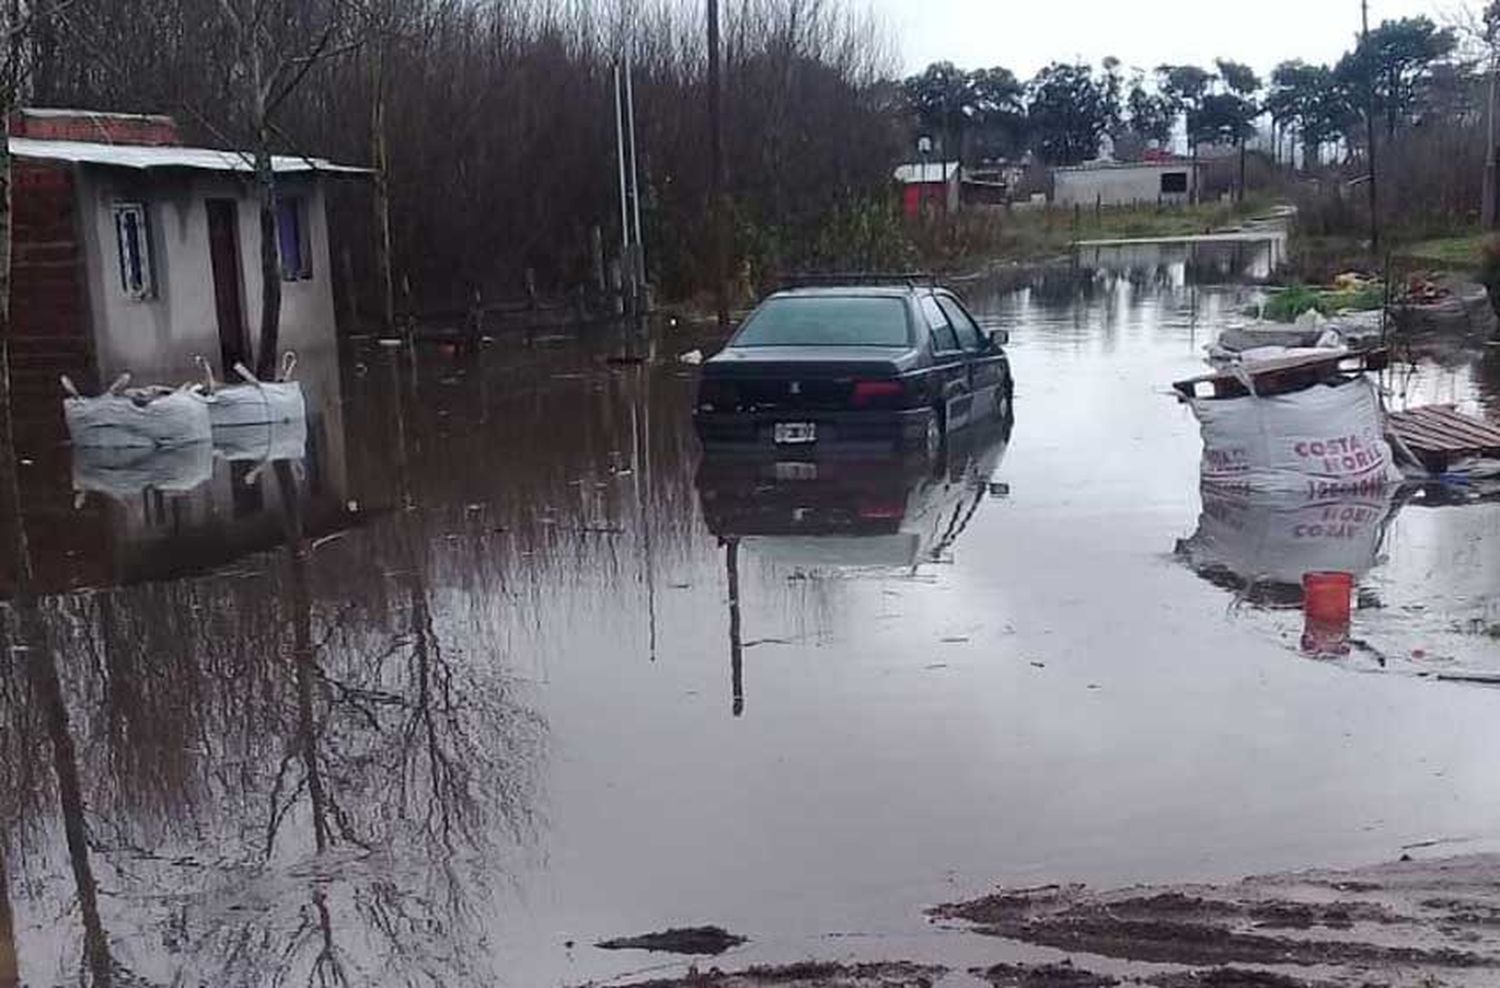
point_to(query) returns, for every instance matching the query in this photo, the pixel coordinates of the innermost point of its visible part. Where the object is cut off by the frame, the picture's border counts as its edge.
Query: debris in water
(693, 357)
(687, 940)
(1061, 975)
(809, 974)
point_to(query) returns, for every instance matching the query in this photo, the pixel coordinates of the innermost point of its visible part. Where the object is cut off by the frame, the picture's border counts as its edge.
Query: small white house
(135, 253)
(1118, 183)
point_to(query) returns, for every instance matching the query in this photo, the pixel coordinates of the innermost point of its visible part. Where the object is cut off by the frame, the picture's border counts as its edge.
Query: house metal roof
(146, 158)
(58, 112)
(1105, 166)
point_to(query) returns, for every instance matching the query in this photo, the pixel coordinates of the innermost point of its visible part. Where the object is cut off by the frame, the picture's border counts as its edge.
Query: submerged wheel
(932, 441)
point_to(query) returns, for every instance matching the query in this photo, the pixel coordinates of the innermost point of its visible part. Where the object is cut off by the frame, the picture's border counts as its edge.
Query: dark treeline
(492, 122)
(1406, 73)
(498, 119)
(1417, 89)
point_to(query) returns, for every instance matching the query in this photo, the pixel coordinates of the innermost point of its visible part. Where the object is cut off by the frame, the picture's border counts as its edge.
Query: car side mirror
(999, 337)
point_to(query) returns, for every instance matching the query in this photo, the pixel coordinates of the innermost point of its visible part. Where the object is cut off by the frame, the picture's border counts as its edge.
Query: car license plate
(794, 433)
(796, 470)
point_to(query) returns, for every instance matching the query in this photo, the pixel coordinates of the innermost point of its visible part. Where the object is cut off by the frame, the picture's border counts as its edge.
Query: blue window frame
(291, 235)
(132, 237)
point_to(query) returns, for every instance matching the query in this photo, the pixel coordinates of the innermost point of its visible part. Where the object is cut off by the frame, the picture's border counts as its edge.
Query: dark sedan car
(857, 364)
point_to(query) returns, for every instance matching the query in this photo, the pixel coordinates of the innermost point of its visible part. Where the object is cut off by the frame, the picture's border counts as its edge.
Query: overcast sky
(1024, 35)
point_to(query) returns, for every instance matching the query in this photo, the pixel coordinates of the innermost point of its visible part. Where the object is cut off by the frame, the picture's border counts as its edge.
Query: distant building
(135, 253)
(992, 183)
(1166, 181)
(929, 187)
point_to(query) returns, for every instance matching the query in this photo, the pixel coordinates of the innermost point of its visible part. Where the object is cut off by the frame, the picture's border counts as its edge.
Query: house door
(229, 305)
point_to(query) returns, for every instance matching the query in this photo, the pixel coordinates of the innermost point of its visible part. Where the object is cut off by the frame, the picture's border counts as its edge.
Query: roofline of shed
(136, 157)
(1107, 166)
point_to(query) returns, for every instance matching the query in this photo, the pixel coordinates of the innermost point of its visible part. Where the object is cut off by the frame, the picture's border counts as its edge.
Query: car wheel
(933, 440)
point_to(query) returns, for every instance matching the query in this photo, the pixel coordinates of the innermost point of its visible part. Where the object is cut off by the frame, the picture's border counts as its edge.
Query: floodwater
(502, 667)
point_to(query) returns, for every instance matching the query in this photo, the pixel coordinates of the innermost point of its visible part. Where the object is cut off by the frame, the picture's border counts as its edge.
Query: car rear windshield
(835, 320)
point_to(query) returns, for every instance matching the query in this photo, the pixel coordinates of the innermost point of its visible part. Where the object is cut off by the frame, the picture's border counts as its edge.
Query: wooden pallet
(1281, 375)
(1438, 435)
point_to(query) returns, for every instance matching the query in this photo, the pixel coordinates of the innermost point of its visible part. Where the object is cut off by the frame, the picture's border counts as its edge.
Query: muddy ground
(1409, 924)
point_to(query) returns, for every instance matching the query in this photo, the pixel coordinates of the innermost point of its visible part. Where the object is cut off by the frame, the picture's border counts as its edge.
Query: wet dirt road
(485, 697)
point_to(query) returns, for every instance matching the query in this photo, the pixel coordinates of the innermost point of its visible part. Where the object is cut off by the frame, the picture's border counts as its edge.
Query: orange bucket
(1326, 597)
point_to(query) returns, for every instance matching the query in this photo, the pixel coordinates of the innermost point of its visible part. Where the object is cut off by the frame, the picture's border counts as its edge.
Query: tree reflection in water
(291, 777)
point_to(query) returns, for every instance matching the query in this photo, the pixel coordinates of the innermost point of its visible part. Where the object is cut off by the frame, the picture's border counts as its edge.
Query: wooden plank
(1421, 428)
(1420, 440)
(1415, 433)
(1475, 429)
(1418, 431)
(1455, 428)
(1346, 361)
(1443, 429)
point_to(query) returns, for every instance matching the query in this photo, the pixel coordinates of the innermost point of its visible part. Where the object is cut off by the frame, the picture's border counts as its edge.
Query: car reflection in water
(842, 510)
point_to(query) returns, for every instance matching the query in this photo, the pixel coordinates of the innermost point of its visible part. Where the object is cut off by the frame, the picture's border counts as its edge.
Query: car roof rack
(905, 279)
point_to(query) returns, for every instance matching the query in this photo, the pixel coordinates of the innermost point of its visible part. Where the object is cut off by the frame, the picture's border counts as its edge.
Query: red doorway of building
(229, 303)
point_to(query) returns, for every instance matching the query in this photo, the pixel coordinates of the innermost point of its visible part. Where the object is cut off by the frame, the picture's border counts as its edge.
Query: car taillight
(876, 392)
(878, 511)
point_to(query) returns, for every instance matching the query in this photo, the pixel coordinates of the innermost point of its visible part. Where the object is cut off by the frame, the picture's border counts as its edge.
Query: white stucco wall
(156, 338)
(1117, 186)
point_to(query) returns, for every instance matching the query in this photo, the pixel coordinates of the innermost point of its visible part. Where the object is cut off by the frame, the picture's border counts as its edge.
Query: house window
(291, 231)
(1173, 183)
(135, 250)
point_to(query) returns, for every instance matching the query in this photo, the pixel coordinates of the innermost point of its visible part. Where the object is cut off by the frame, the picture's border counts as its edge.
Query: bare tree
(277, 43)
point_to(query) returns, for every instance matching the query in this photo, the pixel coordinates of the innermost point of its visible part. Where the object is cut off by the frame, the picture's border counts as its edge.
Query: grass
(1287, 305)
(1460, 251)
(1041, 234)
(1318, 258)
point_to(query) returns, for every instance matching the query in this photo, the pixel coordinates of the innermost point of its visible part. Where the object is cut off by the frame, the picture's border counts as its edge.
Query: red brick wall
(50, 336)
(49, 322)
(95, 127)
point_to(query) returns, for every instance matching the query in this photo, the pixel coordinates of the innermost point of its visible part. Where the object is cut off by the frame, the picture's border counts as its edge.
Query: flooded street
(505, 668)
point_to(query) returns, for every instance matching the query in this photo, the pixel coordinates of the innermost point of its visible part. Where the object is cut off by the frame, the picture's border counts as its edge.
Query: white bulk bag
(261, 403)
(1280, 538)
(141, 419)
(123, 473)
(262, 443)
(1324, 440)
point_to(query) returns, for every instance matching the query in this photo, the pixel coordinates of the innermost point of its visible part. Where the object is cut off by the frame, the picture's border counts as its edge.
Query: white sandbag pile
(261, 403)
(1324, 440)
(123, 472)
(146, 418)
(254, 402)
(262, 443)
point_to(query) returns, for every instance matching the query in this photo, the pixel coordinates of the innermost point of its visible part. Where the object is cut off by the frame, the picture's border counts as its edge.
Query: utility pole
(638, 266)
(1491, 211)
(1364, 7)
(627, 269)
(716, 182)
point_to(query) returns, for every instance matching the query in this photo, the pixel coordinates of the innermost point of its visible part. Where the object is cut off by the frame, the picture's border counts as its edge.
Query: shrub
(1489, 271)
